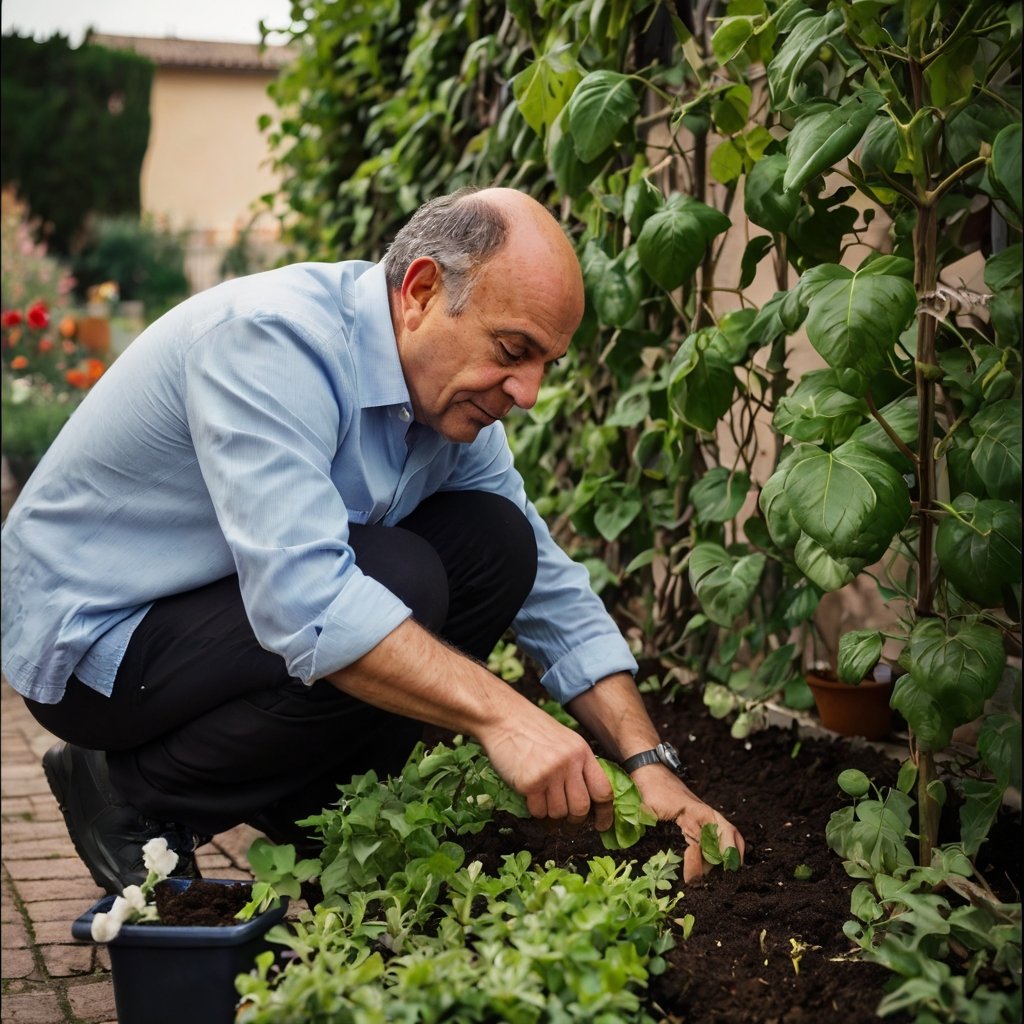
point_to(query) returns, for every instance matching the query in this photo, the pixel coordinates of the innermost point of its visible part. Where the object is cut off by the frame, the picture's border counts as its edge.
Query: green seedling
(277, 874)
(711, 849)
(631, 816)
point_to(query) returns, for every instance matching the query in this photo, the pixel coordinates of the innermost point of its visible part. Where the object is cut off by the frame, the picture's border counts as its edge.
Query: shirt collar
(380, 380)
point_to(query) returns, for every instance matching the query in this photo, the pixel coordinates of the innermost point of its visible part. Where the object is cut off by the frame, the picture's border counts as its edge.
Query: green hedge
(75, 127)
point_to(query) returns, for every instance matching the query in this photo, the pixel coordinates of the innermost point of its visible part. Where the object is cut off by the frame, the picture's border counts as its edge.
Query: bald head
(461, 232)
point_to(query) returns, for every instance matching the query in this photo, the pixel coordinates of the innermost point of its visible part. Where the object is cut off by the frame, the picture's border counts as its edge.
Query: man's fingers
(601, 796)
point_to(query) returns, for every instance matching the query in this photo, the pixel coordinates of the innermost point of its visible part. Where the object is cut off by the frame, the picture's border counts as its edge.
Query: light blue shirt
(242, 433)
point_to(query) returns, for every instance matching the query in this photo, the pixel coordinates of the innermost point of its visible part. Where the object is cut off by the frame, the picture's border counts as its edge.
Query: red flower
(10, 317)
(19, 363)
(77, 379)
(45, 344)
(37, 316)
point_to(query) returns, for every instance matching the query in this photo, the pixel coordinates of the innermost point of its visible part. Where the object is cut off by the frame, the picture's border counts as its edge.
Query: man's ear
(420, 289)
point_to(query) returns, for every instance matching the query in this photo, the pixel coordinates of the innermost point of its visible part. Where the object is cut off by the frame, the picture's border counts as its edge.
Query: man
(284, 530)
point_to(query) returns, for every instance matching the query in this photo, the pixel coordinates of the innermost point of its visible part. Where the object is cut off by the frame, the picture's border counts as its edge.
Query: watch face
(669, 755)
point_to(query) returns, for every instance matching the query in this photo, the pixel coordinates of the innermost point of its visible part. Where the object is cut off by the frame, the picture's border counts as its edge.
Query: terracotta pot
(176, 974)
(861, 710)
(94, 334)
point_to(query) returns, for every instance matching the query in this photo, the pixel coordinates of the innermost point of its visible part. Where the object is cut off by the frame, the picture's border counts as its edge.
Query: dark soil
(737, 966)
(201, 903)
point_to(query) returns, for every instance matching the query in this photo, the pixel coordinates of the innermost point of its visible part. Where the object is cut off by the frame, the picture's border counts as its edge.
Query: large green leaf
(765, 201)
(849, 501)
(859, 651)
(996, 455)
(819, 410)
(724, 585)
(821, 568)
(601, 106)
(774, 503)
(855, 320)
(952, 672)
(701, 382)
(979, 548)
(800, 48)
(572, 175)
(613, 516)
(1005, 168)
(719, 494)
(615, 284)
(820, 140)
(543, 89)
(901, 416)
(672, 241)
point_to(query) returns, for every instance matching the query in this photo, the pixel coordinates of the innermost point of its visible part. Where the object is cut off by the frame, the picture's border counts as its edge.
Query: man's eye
(508, 356)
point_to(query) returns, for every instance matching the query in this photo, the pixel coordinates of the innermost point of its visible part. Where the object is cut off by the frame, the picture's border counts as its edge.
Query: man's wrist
(664, 754)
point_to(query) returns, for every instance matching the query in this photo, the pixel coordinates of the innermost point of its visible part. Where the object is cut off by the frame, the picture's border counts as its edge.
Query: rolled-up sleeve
(266, 421)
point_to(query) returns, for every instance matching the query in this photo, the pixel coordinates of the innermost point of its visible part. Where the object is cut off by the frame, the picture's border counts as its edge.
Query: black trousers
(204, 727)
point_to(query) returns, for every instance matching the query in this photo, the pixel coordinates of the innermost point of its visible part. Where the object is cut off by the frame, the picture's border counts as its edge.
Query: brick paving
(48, 977)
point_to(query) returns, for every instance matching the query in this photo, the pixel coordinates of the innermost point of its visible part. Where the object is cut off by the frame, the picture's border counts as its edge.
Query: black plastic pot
(169, 974)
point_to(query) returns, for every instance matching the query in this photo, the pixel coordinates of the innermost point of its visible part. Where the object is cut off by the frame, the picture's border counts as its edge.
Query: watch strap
(639, 760)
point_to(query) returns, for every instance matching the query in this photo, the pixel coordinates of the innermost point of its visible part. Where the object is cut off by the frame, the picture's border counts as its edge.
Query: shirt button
(404, 415)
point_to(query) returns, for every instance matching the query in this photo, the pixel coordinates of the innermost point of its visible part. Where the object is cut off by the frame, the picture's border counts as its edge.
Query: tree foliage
(74, 127)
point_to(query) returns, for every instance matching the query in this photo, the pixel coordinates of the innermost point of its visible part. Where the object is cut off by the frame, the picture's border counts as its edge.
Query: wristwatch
(663, 752)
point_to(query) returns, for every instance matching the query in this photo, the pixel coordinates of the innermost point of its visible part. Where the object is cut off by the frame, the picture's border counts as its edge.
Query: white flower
(106, 926)
(135, 898)
(158, 857)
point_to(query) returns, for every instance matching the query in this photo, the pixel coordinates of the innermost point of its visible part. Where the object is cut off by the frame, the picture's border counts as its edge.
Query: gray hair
(459, 232)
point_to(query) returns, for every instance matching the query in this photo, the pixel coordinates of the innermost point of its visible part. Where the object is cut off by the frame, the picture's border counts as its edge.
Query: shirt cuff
(576, 672)
(363, 614)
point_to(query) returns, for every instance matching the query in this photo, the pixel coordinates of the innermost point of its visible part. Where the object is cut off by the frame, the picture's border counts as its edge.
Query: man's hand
(553, 767)
(672, 800)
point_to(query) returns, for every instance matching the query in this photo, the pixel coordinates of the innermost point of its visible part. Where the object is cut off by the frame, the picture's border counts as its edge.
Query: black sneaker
(108, 833)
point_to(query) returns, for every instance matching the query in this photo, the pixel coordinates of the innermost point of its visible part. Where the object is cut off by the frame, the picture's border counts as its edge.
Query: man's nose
(523, 386)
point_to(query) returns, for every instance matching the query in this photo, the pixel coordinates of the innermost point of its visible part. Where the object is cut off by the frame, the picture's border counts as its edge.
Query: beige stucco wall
(208, 163)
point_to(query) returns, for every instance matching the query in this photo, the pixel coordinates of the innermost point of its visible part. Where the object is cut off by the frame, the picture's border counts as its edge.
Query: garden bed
(739, 963)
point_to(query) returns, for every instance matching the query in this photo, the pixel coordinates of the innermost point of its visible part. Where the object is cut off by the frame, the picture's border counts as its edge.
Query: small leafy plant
(955, 947)
(711, 849)
(631, 818)
(406, 930)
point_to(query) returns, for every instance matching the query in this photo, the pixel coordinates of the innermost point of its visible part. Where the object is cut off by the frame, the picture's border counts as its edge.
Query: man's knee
(408, 566)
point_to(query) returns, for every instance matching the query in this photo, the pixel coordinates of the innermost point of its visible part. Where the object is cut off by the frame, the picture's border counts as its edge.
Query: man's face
(467, 371)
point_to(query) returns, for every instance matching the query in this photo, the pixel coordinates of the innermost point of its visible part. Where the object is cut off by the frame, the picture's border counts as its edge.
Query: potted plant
(166, 972)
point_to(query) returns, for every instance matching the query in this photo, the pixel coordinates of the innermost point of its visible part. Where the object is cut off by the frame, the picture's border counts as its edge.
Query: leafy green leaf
(855, 319)
(849, 501)
(1005, 168)
(601, 106)
(724, 585)
(819, 410)
(859, 652)
(612, 517)
(672, 241)
(820, 140)
(996, 457)
(765, 201)
(979, 548)
(543, 88)
(719, 494)
(953, 670)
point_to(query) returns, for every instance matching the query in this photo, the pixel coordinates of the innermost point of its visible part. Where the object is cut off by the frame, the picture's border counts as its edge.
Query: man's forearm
(412, 673)
(613, 713)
